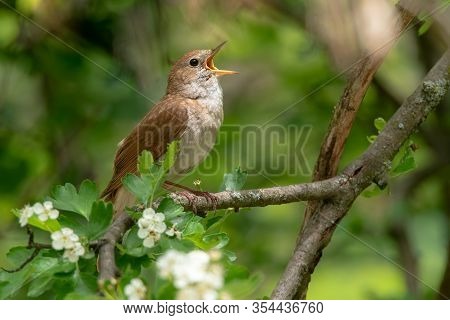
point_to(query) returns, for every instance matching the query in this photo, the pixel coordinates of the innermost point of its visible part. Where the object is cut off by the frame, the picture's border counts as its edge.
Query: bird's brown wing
(165, 123)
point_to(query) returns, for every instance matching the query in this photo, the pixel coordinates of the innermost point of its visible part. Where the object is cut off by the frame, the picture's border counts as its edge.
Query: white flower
(197, 292)
(173, 232)
(64, 239)
(151, 226)
(45, 211)
(73, 254)
(193, 269)
(167, 262)
(135, 290)
(192, 273)
(214, 276)
(152, 221)
(151, 239)
(26, 213)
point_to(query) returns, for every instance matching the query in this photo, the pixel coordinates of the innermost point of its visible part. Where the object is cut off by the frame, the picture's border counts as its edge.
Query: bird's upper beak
(209, 63)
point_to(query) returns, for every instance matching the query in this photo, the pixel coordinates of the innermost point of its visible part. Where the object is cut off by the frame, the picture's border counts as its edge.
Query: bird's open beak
(209, 64)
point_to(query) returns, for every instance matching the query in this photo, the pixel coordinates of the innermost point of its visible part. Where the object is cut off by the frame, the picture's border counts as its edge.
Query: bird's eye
(193, 62)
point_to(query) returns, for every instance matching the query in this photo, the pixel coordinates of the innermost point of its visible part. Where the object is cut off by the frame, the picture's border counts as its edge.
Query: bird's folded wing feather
(165, 123)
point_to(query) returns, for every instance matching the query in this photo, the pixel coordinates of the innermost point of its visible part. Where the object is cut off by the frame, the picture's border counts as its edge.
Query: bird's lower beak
(209, 64)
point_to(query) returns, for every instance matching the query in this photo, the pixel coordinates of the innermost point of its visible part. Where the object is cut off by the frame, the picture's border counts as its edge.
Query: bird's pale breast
(200, 135)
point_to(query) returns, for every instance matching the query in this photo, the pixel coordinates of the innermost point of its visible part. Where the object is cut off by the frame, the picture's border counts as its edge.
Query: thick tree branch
(346, 109)
(267, 196)
(227, 199)
(373, 163)
(106, 256)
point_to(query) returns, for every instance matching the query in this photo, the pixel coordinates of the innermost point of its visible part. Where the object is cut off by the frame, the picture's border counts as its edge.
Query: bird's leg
(188, 192)
(173, 186)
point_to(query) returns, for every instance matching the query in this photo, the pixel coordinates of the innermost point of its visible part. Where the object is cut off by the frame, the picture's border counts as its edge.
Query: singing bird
(191, 112)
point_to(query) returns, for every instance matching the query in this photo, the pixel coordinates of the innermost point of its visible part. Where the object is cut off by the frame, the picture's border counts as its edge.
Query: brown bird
(191, 112)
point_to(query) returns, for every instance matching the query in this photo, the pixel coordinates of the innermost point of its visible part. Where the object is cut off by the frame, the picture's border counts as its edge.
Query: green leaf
(140, 187)
(145, 162)
(170, 156)
(193, 231)
(67, 198)
(242, 288)
(17, 255)
(193, 228)
(231, 256)
(213, 220)
(407, 162)
(239, 283)
(235, 180)
(166, 291)
(132, 266)
(86, 276)
(184, 245)
(216, 240)
(50, 225)
(40, 285)
(74, 221)
(100, 219)
(47, 262)
(235, 272)
(372, 191)
(372, 138)
(216, 221)
(133, 244)
(170, 209)
(63, 285)
(379, 123)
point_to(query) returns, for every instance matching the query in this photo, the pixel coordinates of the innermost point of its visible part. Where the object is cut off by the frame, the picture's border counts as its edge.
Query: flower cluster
(135, 290)
(44, 211)
(197, 275)
(66, 239)
(151, 226)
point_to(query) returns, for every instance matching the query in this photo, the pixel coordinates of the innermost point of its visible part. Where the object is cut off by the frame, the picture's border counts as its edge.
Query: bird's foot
(192, 195)
(210, 198)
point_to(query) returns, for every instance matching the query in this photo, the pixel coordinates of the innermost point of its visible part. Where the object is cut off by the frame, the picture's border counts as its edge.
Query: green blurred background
(67, 98)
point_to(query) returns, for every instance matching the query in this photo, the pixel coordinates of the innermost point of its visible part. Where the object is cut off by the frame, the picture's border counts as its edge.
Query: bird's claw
(191, 197)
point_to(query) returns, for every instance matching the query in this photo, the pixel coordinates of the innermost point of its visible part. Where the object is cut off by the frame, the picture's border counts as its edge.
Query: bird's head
(194, 74)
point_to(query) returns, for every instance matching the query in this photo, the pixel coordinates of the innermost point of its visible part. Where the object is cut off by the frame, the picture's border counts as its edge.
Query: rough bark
(374, 163)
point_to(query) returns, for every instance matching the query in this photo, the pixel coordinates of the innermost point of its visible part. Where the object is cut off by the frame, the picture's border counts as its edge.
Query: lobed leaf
(67, 198)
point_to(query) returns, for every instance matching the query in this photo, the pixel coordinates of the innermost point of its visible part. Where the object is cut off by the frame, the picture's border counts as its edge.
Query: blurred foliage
(75, 76)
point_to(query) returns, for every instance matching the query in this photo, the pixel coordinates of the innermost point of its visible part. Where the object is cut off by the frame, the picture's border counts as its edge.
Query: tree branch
(339, 191)
(227, 199)
(317, 233)
(106, 256)
(263, 197)
(346, 109)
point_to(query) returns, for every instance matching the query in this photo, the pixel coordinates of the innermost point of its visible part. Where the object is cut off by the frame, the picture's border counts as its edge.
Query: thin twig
(31, 244)
(39, 246)
(27, 261)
